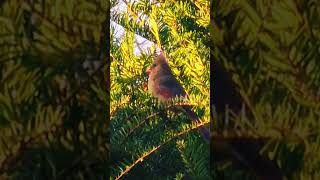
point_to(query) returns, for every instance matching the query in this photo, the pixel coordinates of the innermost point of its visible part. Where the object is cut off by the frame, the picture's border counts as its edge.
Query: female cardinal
(163, 85)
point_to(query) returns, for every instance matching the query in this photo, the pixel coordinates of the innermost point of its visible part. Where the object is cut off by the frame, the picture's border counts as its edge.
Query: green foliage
(53, 108)
(271, 49)
(143, 139)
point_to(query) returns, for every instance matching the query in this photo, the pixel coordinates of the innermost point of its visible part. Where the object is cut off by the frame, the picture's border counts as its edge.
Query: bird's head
(159, 65)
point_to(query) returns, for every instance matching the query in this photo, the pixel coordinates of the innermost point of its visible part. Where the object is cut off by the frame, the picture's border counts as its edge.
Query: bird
(163, 85)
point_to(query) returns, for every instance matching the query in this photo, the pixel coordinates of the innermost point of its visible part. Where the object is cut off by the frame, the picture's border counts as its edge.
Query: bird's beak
(148, 71)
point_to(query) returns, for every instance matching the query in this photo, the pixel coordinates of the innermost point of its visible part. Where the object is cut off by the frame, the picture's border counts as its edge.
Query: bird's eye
(154, 65)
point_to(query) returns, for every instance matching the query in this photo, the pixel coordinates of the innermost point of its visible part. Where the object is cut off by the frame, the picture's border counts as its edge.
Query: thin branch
(84, 84)
(24, 144)
(146, 154)
(133, 32)
(145, 120)
(141, 123)
(132, 12)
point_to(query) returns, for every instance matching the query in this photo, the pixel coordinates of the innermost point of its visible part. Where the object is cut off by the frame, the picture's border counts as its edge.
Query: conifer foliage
(270, 50)
(148, 140)
(53, 98)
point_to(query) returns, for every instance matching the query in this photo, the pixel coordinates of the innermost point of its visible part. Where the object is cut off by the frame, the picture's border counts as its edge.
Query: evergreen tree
(145, 143)
(53, 98)
(270, 51)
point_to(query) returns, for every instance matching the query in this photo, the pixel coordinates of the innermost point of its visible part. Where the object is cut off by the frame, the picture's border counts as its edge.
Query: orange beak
(148, 71)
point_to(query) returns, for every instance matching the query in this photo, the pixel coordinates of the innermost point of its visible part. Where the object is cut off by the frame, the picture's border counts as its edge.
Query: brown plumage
(163, 85)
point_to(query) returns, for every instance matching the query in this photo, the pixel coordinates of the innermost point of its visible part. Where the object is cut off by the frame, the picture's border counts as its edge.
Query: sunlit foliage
(144, 142)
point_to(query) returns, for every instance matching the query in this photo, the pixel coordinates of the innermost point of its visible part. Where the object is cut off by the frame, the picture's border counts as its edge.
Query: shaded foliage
(270, 50)
(53, 97)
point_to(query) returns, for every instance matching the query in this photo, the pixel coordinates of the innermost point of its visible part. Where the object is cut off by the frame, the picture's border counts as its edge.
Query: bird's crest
(159, 55)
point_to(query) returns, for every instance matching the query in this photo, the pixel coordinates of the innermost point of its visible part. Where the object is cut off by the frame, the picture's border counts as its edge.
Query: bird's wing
(169, 87)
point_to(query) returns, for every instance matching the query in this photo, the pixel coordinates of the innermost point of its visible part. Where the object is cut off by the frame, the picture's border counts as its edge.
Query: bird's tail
(204, 131)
